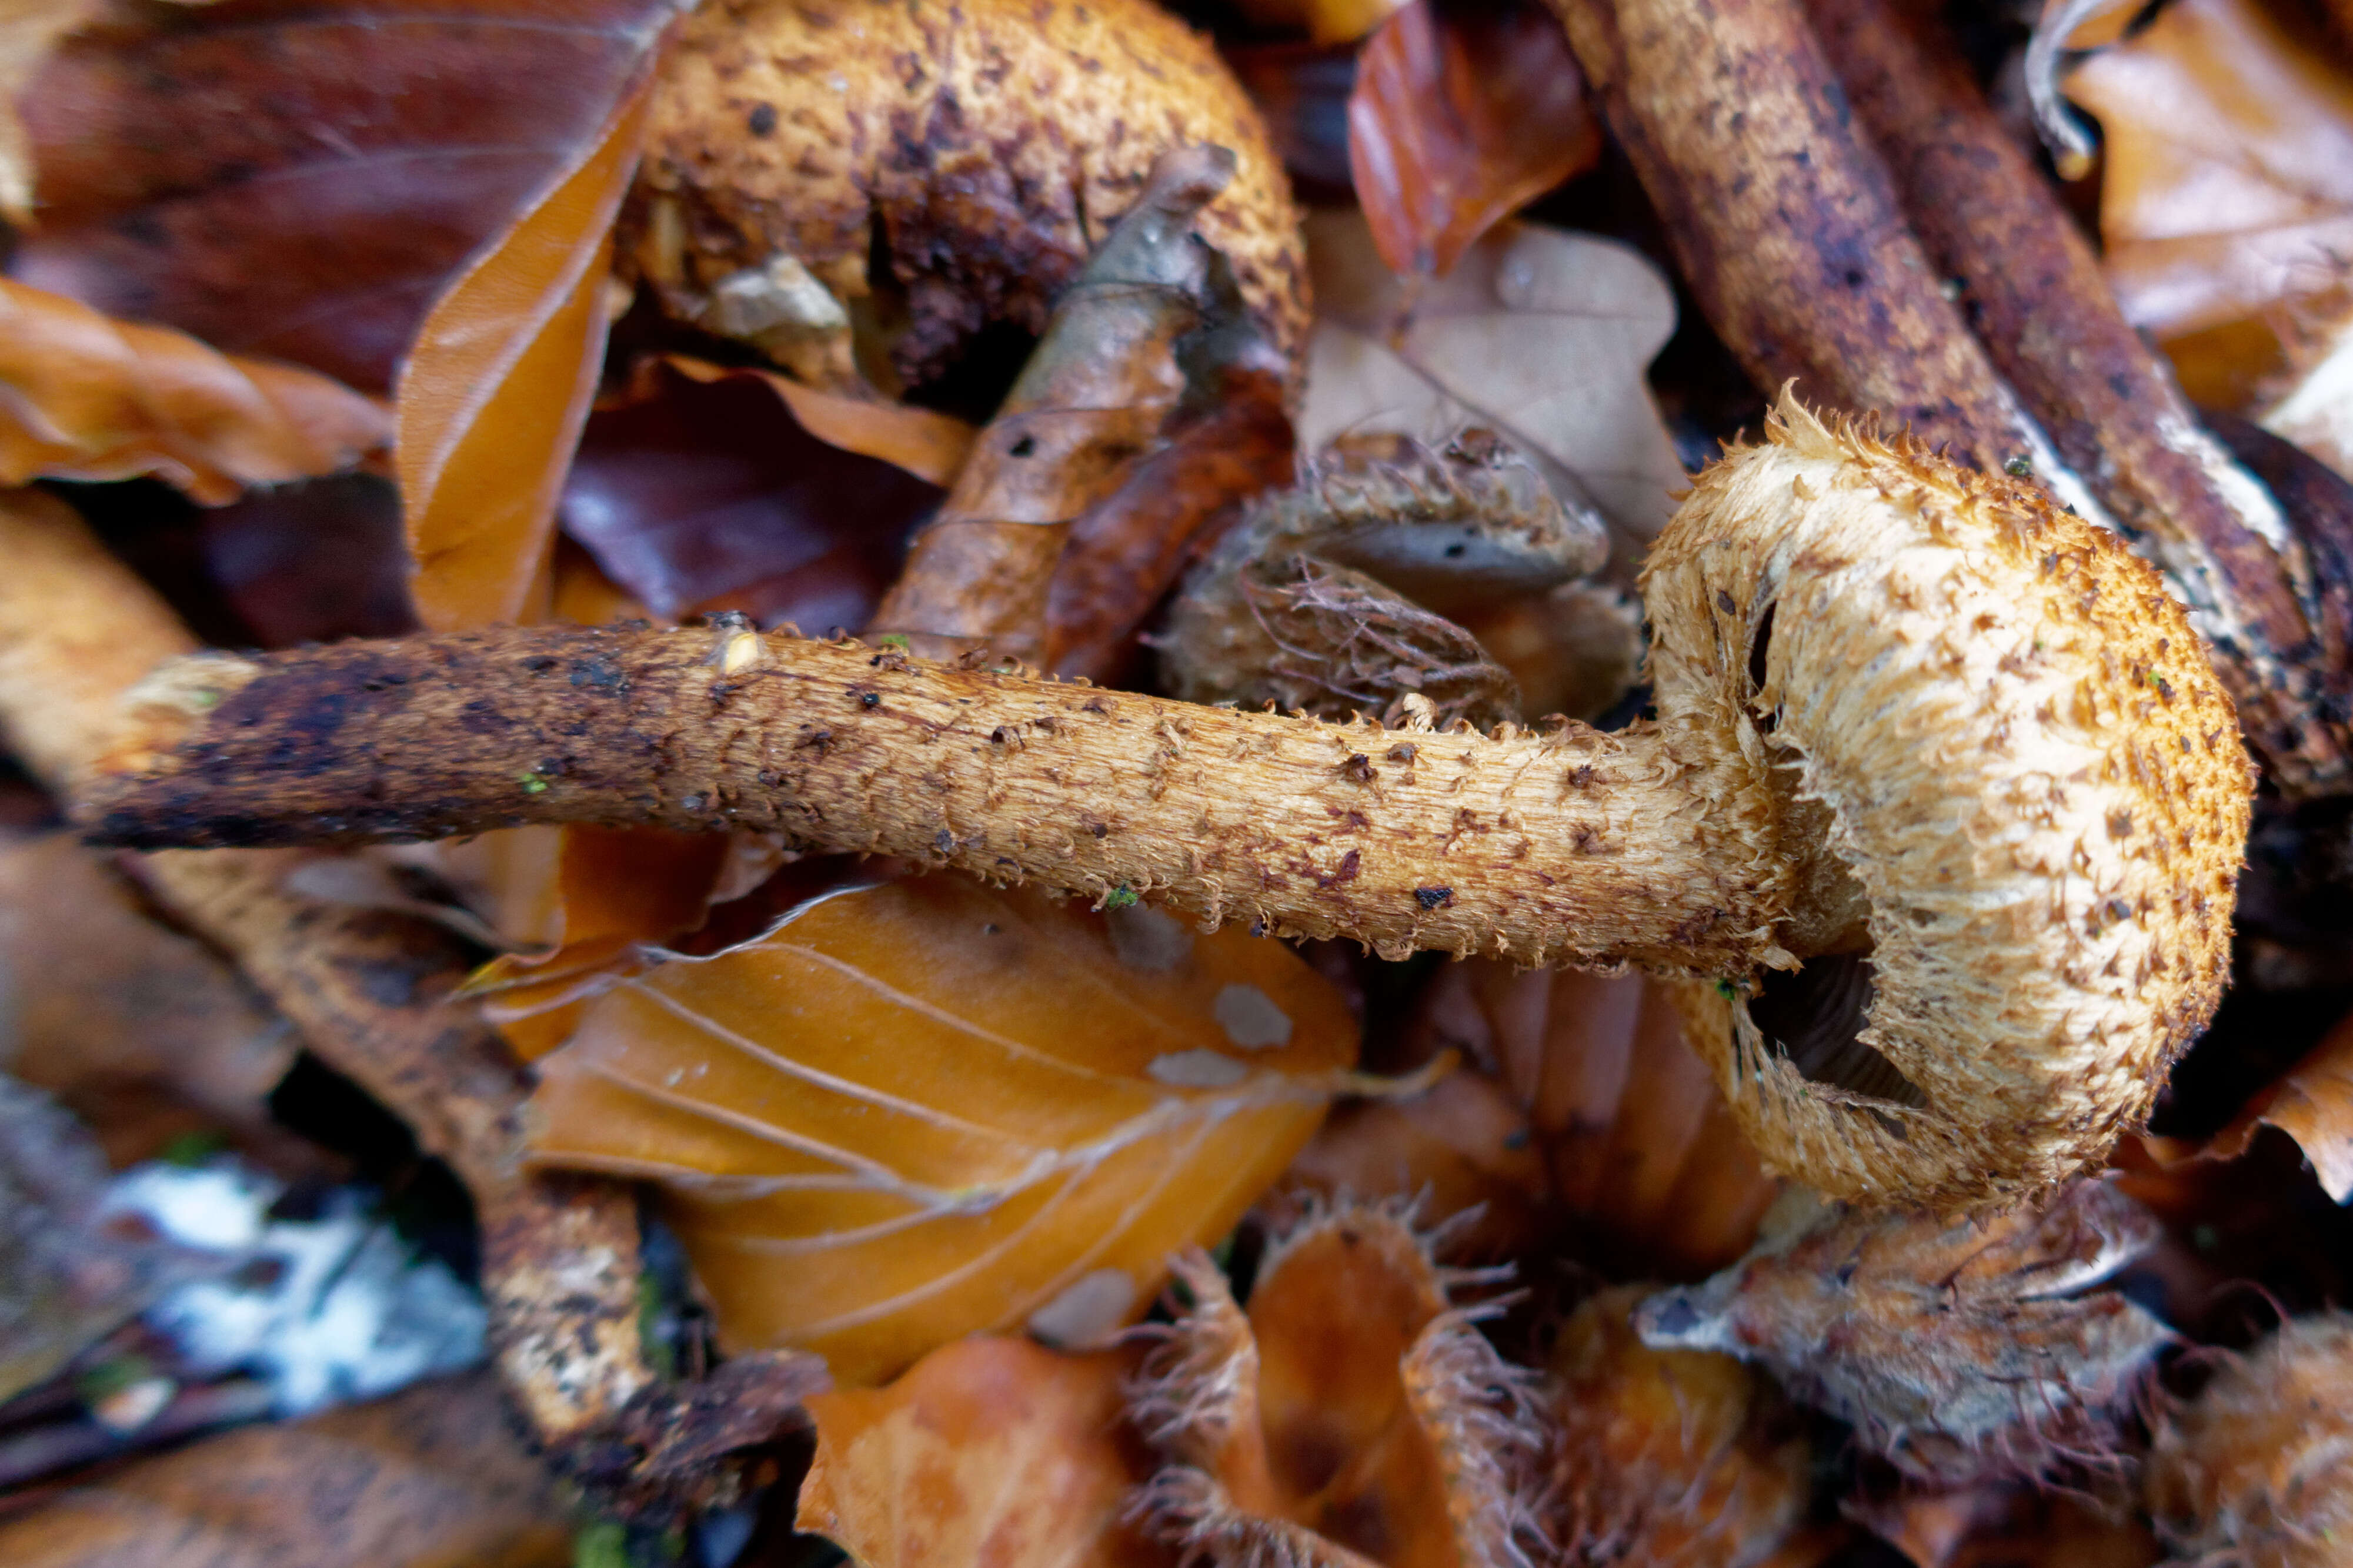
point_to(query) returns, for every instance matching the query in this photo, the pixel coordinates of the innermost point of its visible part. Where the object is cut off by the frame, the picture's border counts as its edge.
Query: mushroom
(802, 153)
(1914, 727)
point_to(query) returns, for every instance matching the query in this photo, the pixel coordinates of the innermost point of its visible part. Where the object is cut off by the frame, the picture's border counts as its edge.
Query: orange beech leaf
(1537, 334)
(1672, 1458)
(494, 392)
(1324, 22)
(2312, 1104)
(1460, 118)
(84, 398)
(927, 444)
(916, 1109)
(300, 181)
(1354, 1414)
(2229, 185)
(28, 30)
(987, 1453)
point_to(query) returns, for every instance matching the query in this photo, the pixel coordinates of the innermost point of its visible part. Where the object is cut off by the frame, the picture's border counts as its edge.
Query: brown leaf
(2312, 1104)
(920, 1109)
(1460, 118)
(1670, 1458)
(927, 444)
(142, 1032)
(427, 1478)
(28, 30)
(1980, 1348)
(2229, 182)
(1354, 1415)
(1325, 22)
(326, 167)
(89, 398)
(986, 1453)
(701, 489)
(1539, 334)
(494, 392)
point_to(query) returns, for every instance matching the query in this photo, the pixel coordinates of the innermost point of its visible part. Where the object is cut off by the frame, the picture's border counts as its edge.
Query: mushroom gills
(1813, 1017)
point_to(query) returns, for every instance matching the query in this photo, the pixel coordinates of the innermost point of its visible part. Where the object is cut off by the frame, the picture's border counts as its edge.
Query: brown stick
(1087, 406)
(371, 994)
(1570, 848)
(2032, 290)
(1784, 221)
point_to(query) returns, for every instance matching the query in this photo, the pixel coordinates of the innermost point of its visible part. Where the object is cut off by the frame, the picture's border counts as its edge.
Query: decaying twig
(371, 993)
(1801, 248)
(1089, 404)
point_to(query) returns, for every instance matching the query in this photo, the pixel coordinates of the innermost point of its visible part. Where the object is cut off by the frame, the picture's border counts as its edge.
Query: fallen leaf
(1960, 1351)
(1302, 92)
(701, 489)
(930, 445)
(493, 395)
(1354, 1415)
(1326, 22)
(83, 397)
(1537, 334)
(28, 30)
(2229, 181)
(923, 1109)
(1642, 1159)
(427, 1478)
(1460, 118)
(326, 167)
(2312, 1104)
(2312, 401)
(72, 1273)
(986, 1453)
(141, 1032)
(1670, 1458)
(314, 562)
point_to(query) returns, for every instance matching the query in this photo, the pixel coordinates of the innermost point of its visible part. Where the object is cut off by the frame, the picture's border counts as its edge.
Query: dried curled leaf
(2312, 1104)
(1538, 334)
(493, 395)
(2229, 182)
(1333, 596)
(917, 1110)
(84, 398)
(1460, 118)
(1670, 1458)
(2257, 1470)
(1354, 1415)
(988, 1452)
(427, 1478)
(1981, 1348)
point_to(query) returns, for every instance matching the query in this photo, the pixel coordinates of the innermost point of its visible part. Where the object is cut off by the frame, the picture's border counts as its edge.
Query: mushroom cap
(986, 147)
(2004, 733)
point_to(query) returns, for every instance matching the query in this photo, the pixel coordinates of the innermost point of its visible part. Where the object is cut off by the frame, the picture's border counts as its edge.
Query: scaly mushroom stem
(371, 994)
(1569, 846)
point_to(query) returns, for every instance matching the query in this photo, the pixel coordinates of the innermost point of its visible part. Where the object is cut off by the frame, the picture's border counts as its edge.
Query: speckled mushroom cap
(2002, 729)
(984, 146)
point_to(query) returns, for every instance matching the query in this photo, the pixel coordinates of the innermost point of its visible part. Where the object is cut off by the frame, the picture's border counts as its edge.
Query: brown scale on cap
(980, 150)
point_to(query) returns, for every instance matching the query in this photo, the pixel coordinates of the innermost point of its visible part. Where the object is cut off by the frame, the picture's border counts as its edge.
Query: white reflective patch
(1197, 1069)
(1250, 1018)
(1088, 1311)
